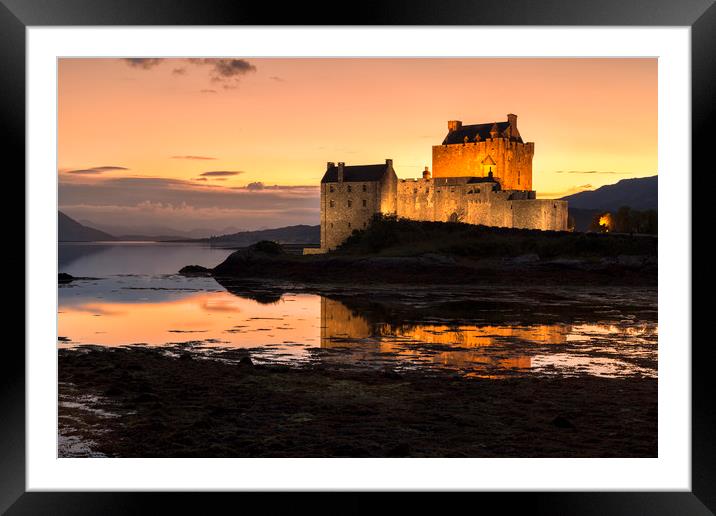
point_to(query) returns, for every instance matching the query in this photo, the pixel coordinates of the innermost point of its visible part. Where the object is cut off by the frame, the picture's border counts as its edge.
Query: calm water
(135, 297)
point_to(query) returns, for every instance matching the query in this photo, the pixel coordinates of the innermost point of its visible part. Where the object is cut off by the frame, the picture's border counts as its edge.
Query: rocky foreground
(158, 402)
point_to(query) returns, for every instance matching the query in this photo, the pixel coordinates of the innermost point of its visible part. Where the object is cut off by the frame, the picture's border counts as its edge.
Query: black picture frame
(17, 15)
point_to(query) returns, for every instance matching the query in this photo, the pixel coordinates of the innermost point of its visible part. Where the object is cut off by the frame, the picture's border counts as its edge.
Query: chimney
(340, 171)
(330, 165)
(512, 119)
(454, 125)
(389, 162)
(426, 173)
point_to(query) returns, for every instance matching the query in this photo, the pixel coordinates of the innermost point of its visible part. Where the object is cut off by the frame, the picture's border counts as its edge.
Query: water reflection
(98, 259)
(472, 332)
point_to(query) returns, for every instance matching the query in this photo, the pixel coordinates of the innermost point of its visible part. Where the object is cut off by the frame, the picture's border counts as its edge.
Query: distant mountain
(157, 232)
(639, 194)
(300, 234)
(69, 230)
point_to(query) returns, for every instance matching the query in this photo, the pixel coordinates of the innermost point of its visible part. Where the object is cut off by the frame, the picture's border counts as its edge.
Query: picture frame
(700, 15)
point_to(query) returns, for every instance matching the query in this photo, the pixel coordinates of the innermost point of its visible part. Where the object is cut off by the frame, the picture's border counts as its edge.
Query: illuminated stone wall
(347, 206)
(512, 168)
(445, 199)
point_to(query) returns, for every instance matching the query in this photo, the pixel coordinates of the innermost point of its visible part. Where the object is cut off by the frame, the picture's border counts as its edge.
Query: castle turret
(340, 167)
(454, 125)
(426, 173)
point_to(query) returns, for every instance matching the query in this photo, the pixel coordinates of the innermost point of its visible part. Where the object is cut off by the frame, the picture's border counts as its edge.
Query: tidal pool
(485, 332)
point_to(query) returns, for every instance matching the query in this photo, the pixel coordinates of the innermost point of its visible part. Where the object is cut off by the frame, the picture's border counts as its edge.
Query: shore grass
(388, 236)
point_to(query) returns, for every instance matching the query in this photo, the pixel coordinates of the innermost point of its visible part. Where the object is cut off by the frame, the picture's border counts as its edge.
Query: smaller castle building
(351, 195)
(482, 175)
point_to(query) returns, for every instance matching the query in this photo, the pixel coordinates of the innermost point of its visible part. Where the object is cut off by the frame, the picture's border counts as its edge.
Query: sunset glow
(189, 143)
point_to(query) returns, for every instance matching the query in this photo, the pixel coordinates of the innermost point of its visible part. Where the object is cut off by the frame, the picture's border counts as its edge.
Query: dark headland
(394, 251)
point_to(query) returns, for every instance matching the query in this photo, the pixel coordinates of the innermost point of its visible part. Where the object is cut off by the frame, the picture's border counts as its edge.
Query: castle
(482, 174)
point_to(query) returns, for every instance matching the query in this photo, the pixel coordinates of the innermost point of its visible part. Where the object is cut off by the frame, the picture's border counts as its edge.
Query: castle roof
(471, 131)
(356, 173)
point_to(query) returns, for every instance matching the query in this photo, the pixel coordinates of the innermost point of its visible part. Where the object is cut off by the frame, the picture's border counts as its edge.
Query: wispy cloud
(277, 78)
(144, 63)
(193, 157)
(227, 71)
(221, 173)
(568, 191)
(144, 201)
(588, 172)
(93, 170)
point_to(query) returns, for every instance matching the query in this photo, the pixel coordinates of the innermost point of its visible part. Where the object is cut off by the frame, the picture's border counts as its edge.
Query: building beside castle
(482, 174)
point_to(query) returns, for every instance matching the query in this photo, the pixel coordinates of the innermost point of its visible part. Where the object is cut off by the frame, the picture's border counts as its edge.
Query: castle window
(365, 188)
(331, 203)
(331, 188)
(350, 189)
(349, 224)
(331, 224)
(427, 190)
(518, 177)
(365, 203)
(350, 203)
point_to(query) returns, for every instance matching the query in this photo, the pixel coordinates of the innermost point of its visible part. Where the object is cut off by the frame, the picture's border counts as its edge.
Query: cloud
(179, 71)
(587, 172)
(193, 157)
(221, 173)
(568, 191)
(225, 70)
(258, 185)
(93, 170)
(207, 91)
(143, 201)
(143, 62)
(277, 79)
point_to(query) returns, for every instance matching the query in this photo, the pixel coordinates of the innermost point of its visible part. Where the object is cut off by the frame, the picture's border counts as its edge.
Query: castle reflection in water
(452, 345)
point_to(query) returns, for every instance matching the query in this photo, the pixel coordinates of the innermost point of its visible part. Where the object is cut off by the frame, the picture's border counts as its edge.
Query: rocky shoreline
(434, 269)
(161, 405)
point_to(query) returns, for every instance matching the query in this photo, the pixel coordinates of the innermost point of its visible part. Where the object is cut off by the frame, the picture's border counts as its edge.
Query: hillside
(639, 194)
(69, 230)
(300, 234)
(394, 251)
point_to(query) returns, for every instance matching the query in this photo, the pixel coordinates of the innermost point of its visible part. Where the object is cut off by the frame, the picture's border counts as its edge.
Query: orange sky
(278, 121)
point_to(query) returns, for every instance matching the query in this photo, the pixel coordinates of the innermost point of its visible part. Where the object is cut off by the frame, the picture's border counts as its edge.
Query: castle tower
(351, 195)
(477, 149)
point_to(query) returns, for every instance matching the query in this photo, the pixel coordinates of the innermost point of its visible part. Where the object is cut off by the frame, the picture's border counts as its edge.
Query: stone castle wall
(347, 206)
(442, 200)
(513, 161)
